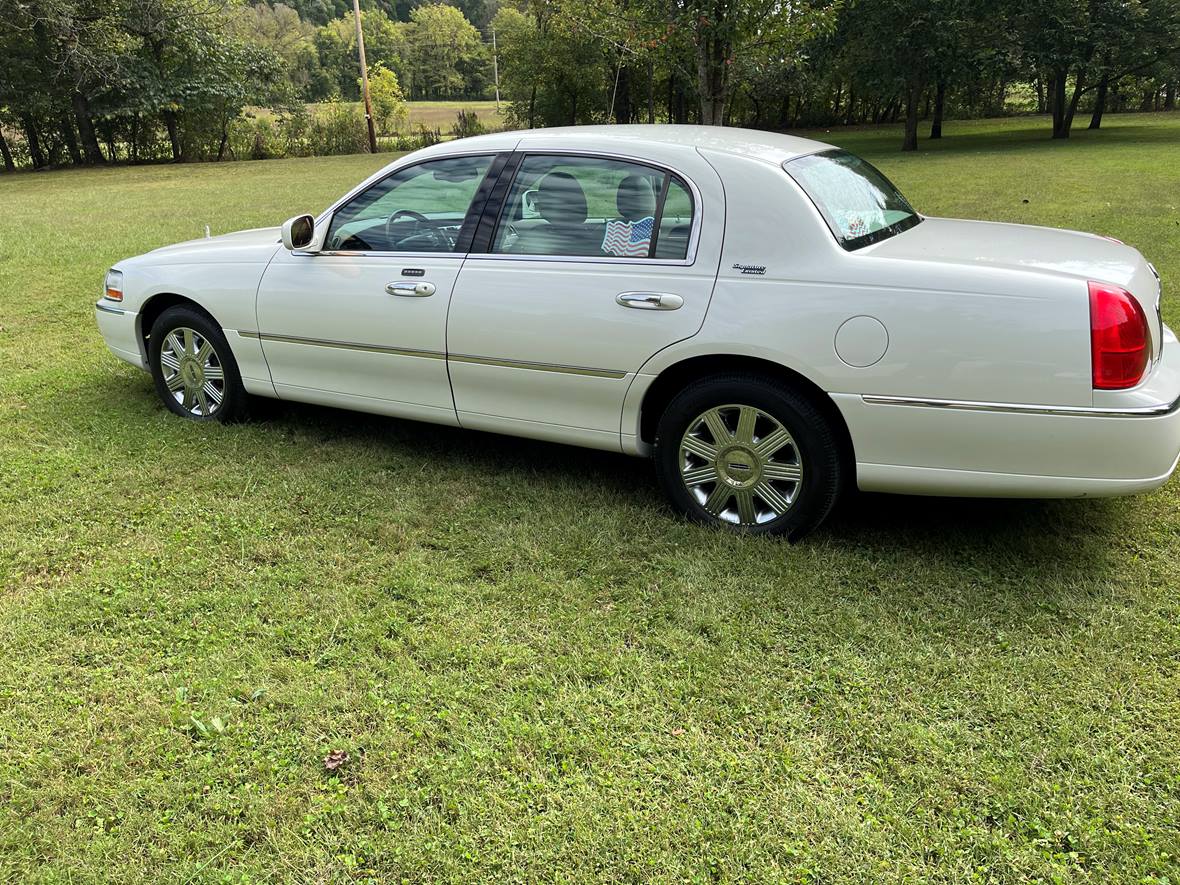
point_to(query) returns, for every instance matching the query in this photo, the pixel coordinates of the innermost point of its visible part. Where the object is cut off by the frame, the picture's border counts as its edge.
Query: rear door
(592, 265)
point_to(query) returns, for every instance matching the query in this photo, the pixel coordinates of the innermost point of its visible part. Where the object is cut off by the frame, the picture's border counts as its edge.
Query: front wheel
(744, 452)
(193, 368)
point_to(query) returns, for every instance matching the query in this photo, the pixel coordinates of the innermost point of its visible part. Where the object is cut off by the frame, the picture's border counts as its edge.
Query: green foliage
(389, 105)
(467, 124)
(336, 128)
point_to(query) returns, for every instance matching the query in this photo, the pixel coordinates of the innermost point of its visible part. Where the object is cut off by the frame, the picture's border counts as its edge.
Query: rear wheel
(746, 453)
(193, 367)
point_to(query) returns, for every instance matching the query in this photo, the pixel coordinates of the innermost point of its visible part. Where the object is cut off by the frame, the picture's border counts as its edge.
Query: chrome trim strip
(98, 305)
(1023, 409)
(346, 345)
(613, 374)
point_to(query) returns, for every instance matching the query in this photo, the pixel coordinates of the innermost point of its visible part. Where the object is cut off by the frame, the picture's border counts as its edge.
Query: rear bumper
(118, 328)
(940, 447)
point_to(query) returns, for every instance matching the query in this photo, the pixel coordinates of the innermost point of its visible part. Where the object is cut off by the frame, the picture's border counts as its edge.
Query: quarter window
(594, 207)
(417, 209)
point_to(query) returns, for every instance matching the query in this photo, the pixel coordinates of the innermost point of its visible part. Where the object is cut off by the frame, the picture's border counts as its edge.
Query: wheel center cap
(739, 467)
(191, 373)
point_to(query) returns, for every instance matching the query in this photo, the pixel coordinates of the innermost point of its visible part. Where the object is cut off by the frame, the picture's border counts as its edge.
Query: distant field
(540, 673)
(441, 114)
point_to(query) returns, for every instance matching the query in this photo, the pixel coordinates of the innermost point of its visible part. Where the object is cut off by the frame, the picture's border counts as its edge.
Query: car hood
(1016, 247)
(247, 246)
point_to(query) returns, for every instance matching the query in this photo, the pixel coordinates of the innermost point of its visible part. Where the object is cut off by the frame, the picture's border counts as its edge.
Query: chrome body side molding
(1024, 409)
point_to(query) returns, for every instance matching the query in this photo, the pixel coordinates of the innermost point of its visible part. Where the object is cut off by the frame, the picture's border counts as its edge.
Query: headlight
(114, 285)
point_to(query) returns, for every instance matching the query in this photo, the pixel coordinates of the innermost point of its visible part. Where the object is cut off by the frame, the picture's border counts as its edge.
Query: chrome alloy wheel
(192, 371)
(740, 464)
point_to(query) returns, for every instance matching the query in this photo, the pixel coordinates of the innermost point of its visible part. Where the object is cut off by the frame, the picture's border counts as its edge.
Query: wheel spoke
(175, 344)
(214, 373)
(187, 402)
(697, 446)
(717, 428)
(204, 351)
(745, 506)
(773, 498)
(771, 443)
(785, 472)
(175, 382)
(697, 475)
(189, 347)
(169, 361)
(202, 401)
(718, 498)
(213, 393)
(747, 418)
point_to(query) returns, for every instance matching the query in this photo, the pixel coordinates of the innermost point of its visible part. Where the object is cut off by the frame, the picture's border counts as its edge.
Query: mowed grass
(537, 671)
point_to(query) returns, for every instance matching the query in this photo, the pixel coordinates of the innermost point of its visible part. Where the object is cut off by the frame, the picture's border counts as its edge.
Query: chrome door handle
(649, 300)
(411, 290)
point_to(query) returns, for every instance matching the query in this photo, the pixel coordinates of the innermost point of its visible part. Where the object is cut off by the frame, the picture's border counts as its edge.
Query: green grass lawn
(537, 671)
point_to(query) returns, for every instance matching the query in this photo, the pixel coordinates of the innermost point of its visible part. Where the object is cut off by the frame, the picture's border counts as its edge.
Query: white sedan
(765, 316)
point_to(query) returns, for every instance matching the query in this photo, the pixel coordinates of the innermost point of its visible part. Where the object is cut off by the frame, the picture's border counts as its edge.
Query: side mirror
(298, 232)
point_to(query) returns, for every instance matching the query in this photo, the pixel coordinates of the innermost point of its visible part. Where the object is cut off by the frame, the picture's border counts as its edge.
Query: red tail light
(1119, 340)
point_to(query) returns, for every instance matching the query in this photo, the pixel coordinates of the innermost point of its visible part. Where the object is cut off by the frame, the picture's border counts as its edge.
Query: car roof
(772, 147)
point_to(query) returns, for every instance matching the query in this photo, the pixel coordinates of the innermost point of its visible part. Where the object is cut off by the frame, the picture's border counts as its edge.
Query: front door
(596, 263)
(362, 323)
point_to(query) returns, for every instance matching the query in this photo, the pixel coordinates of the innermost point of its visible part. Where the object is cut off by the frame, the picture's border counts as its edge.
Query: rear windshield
(860, 205)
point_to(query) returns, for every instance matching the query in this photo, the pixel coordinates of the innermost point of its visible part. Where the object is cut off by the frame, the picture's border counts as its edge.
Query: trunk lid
(1033, 249)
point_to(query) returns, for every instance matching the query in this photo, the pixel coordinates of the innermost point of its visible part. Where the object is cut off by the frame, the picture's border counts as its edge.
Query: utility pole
(360, 45)
(496, 69)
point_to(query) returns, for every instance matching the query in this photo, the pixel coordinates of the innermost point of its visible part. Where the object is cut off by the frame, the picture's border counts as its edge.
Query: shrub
(389, 105)
(337, 129)
(467, 124)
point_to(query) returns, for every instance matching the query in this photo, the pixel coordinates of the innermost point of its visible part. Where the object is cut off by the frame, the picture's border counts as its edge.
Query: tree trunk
(86, 128)
(9, 164)
(1057, 104)
(1099, 103)
(134, 150)
(1170, 96)
(532, 106)
(939, 107)
(1148, 95)
(35, 153)
(622, 109)
(67, 133)
(712, 80)
(913, 97)
(1040, 87)
(850, 113)
(173, 134)
(784, 111)
(651, 92)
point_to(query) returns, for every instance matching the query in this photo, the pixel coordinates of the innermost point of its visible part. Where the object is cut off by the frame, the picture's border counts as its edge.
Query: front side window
(594, 207)
(417, 209)
(860, 205)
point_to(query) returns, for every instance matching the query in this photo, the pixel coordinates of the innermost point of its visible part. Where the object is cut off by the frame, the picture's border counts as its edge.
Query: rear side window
(860, 205)
(594, 207)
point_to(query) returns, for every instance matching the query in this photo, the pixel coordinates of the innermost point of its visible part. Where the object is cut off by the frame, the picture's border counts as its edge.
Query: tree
(442, 44)
(389, 105)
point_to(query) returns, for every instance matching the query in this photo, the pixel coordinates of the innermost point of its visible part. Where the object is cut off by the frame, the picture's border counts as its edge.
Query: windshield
(860, 205)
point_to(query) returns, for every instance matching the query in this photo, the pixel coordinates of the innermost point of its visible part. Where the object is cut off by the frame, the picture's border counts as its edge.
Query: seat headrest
(561, 200)
(635, 198)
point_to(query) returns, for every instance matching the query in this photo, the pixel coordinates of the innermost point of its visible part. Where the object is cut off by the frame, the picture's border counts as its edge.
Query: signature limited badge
(758, 269)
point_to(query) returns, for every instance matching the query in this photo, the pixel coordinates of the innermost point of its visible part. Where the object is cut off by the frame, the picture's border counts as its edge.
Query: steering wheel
(440, 239)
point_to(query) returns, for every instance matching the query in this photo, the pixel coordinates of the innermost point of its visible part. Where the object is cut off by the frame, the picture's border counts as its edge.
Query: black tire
(234, 399)
(814, 450)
